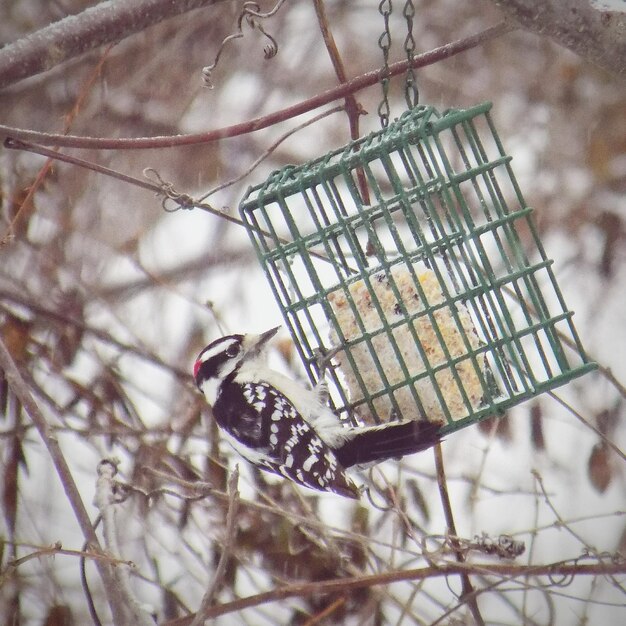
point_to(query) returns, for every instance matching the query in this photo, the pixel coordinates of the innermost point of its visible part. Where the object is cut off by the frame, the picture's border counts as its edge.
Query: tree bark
(107, 22)
(595, 35)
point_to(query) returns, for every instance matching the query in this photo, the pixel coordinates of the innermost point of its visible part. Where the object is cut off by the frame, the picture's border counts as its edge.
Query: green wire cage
(410, 260)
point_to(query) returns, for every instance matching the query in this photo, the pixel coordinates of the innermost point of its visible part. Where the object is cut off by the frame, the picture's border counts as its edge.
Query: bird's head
(226, 355)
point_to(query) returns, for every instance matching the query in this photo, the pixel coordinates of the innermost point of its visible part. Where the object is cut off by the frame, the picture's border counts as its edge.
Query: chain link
(411, 92)
(384, 43)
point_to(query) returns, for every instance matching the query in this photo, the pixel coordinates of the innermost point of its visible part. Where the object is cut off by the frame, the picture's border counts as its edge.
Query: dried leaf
(171, 605)
(10, 490)
(285, 348)
(607, 419)
(59, 615)
(599, 467)
(16, 335)
(69, 336)
(360, 520)
(12, 609)
(536, 427)
(20, 208)
(4, 395)
(417, 498)
(612, 228)
(502, 426)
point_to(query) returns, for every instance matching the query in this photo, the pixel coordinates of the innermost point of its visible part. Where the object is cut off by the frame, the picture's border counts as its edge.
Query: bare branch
(596, 36)
(468, 590)
(597, 568)
(229, 544)
(107, 22)
(352, 86)
(18, 385)
(109, 501)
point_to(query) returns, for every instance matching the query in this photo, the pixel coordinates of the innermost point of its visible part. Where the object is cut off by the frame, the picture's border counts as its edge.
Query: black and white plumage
(282, 426)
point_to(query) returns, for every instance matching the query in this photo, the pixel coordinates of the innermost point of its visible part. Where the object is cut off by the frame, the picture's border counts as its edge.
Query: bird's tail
(379, 443)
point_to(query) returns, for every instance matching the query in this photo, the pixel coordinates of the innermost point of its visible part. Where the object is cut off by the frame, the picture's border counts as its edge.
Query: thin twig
(164, 189)
(91, 605)
(352, 86)
(560, 522)
(353, 109)
(85, 90)
(320, 618)
(18, 385)
(38, 309)
(534, 533)
(468, 594)
(268, 152)
(229, 543)
(58, 550)
(588, 424)
(344, 585)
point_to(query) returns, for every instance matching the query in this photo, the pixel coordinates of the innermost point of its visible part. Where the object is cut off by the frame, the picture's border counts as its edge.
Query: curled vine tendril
(251, 13)
(169, 193)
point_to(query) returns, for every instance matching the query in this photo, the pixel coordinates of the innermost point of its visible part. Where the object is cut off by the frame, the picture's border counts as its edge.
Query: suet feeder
(410, 259)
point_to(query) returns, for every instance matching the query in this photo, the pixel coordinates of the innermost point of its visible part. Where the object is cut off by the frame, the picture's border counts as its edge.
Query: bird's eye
(232, 351)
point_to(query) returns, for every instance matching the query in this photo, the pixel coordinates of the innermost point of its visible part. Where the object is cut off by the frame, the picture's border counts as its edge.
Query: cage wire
(434, 302)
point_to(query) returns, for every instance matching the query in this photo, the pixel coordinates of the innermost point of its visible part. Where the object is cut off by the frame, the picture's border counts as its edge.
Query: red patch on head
(196, 367)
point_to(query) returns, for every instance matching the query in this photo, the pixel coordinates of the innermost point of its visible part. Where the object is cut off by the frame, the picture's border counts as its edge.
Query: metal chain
(411, 92)
(384, 43)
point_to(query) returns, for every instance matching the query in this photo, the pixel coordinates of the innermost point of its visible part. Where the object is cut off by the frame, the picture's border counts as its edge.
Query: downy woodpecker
(282, 426)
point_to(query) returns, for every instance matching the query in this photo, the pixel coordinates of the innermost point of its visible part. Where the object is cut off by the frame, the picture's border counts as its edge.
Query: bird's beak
(257, 342)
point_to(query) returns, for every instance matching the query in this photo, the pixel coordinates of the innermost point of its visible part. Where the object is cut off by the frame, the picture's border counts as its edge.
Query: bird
(281, 425)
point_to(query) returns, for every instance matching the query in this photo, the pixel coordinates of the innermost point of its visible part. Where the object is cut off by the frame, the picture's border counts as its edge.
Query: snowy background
(106, 299)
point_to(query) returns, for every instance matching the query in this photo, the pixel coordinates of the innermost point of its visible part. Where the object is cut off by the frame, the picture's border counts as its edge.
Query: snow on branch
(107, 22)
(595, 35)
